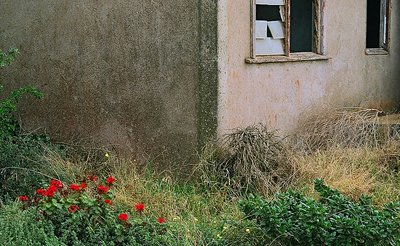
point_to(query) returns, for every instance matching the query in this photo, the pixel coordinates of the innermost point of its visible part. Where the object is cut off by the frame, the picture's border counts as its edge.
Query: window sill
(294, 57)
(376, 51)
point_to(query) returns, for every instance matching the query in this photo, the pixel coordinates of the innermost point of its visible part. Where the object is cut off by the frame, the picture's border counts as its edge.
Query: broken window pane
(268, 12)
(269, 28)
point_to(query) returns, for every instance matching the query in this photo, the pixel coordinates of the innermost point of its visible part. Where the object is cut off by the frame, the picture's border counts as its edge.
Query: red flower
(110, 180)
(93, 178)
(41, 192)
(102, 189)
(139, 207)
(83, 185)
(73, 208)
(50, 191)
(123, 217)
(52, 188)
(161, 220)
(74, 187)
(23, 198)
(56, 183)
(108, 201)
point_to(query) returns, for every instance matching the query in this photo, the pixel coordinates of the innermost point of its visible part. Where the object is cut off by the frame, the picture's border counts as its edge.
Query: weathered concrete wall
(121, 73)
(277, 93)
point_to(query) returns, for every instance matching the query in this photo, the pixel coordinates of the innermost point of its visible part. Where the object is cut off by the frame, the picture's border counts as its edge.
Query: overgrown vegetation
(346, 148)
(22, 227)
(85, 213)
(351, 151)
(293, 219)
(17, 151)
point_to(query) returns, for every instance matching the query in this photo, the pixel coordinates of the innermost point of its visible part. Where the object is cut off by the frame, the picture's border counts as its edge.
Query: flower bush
(84, 212)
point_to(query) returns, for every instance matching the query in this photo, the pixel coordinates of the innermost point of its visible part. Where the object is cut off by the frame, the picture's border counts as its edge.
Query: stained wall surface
(278, 93)
(124, 74)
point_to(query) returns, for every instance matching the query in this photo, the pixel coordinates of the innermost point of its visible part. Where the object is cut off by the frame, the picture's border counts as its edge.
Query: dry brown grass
(162, 192)
(353, 171)
(350, 150)
(332, 127)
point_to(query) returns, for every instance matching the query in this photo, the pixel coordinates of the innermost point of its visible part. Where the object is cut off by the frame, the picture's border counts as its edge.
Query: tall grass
(353, 171)
(350, 150)
(199, 213)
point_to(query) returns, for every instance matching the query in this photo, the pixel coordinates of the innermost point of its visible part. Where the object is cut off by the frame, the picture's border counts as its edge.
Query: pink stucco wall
(277, 93)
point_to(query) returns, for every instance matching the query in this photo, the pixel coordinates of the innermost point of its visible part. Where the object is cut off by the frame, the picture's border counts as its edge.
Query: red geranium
(41, 192)
(83, 185)
(51, 190)
(74, 187)
(108, 201)
(123, 217)
(73, 208)
(56, 183)
(161, 220)
(139, 207)
(23, 198)
(102, 189)
(110, 180)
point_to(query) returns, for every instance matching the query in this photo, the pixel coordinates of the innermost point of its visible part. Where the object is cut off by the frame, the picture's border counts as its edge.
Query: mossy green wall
(208, 71)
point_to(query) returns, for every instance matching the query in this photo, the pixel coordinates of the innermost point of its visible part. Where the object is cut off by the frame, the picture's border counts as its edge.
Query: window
(286, 30)
(377, 26)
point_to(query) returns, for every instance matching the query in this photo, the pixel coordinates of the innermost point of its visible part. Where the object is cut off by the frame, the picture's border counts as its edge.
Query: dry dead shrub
(331, 127)
(252, 159)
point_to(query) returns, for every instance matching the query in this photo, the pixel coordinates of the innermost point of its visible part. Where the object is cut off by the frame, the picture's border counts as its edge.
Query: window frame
(318, 44)
(385, 46)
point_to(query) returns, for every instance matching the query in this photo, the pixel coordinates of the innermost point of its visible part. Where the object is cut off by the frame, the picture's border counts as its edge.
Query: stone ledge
(294, 57)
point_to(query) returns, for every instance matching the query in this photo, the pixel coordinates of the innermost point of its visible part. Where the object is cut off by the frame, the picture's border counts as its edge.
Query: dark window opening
(268, 12)
(374, 24)
(301, 26)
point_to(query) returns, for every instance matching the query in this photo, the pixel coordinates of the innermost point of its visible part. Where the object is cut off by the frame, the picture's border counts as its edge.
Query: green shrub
(8, 122)
(333, 220)
(17, 152)
(24, 227)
